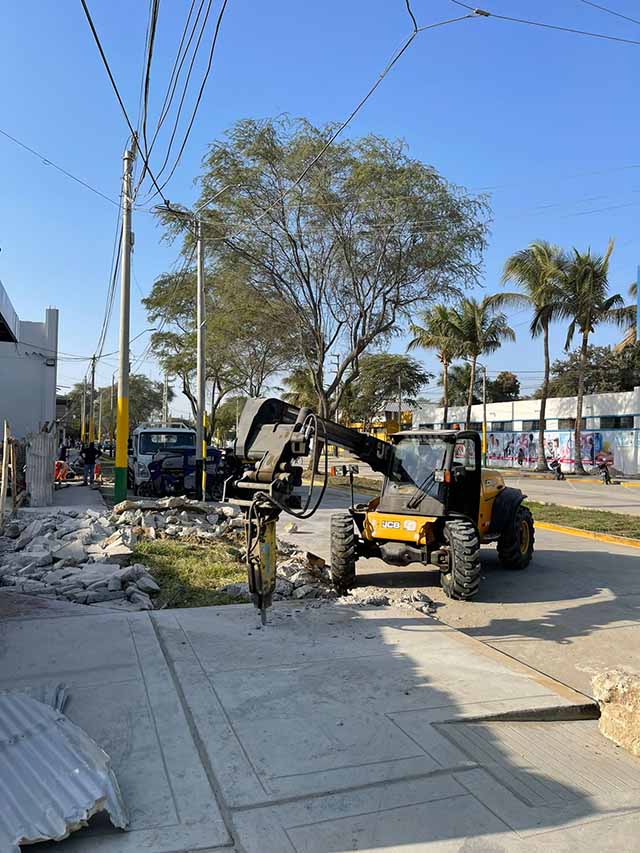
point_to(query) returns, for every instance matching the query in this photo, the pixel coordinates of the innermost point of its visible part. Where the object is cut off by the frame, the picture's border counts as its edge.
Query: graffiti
(520, 449)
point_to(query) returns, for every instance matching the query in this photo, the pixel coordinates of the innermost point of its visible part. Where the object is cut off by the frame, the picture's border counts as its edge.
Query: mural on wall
(520, 449)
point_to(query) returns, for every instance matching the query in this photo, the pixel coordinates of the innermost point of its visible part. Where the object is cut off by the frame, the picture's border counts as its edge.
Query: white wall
(624, 444)
(27, 381)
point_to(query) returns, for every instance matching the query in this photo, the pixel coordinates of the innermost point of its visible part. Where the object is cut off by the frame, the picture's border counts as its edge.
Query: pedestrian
(62, 452)
(89, 455)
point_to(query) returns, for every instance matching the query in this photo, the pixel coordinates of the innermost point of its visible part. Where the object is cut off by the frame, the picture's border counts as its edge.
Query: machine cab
(433, 473)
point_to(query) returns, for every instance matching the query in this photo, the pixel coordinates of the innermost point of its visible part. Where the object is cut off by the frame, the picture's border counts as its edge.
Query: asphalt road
(573, 492)
(571, 613)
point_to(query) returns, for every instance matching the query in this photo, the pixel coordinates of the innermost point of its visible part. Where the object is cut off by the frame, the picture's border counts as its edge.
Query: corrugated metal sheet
(41, 455)
(53, 777)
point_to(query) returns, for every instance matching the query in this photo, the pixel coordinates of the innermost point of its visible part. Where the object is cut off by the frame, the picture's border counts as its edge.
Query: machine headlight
(142, 471)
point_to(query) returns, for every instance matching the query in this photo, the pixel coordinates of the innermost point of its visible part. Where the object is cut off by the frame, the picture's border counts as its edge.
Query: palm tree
(435, 333)
(479, 328)
(537, 270)
(628, 316)
(585, 284)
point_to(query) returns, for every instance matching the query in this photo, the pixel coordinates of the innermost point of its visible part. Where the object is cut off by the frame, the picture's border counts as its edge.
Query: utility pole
(112, 431)
(83, 412)
(399, 403)
(201, 323)
(92, 401)
(165, 401)
(484, 415)
(122, 429)
(99, 417)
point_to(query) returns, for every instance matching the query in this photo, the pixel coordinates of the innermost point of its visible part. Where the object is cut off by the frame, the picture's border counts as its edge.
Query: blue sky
(546, 122)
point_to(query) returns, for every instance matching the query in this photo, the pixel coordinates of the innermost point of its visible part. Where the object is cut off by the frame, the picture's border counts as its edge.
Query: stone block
(618, 694)
(147, 584)
(120, 554)
(141, 599)
(30, 532)
(95, 596)
(75, 552)
(12, 530)
(306, 591)
(114, 584)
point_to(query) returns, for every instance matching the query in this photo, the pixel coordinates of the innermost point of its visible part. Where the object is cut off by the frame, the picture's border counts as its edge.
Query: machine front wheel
(463, 578)
(344, 549)
(515, 545)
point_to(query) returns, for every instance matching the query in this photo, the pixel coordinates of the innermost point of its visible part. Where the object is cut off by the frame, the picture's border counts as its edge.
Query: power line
(114, 86)
(390, 64)
(173, 77)
(214, 42)
(151, 36)
(610, 11)
(47, 162)
(484, 13)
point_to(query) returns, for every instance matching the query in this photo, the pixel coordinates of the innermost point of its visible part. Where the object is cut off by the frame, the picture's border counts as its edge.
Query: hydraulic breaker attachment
(261, 555)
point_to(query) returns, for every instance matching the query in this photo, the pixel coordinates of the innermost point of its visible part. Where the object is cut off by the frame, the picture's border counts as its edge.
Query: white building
(611, 429)
(28, 368)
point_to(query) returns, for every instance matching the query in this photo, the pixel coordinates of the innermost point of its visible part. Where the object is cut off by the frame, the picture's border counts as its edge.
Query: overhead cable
(47, 162)
(485, 13)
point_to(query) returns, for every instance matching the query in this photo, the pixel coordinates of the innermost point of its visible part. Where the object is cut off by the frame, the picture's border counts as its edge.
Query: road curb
(589, 534)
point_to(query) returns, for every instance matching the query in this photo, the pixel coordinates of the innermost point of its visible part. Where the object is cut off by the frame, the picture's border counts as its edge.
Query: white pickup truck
(148, 439)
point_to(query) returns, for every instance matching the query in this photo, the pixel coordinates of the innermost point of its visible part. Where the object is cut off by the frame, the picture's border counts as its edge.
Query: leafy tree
(382, 377)
(228, 412)
(606, 370)
(628, 316)
(479, 328)
(349, 237)
(436, 333)
(459, 380)
(585, 284)
(145, 402)
(299, 389)
(504, 388)
(245, 346)
(537, 270)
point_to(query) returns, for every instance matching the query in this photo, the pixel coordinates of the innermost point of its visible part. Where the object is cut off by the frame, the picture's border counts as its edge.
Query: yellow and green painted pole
(92, 407)
(122, 422)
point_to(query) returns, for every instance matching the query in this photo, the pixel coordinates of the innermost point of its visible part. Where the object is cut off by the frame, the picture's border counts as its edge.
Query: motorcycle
(556, 467)
(605, 475)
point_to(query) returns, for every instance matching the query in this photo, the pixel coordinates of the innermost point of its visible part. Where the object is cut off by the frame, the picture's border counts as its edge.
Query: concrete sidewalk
(332, 729)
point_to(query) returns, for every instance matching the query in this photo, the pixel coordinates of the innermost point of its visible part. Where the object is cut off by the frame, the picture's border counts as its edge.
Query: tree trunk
(577, 453)
(472, 382)
(445, 391)
(542, 458)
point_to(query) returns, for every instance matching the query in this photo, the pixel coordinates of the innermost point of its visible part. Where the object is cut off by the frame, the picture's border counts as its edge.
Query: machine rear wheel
(463, 578)
(515, 545)
(344, 548)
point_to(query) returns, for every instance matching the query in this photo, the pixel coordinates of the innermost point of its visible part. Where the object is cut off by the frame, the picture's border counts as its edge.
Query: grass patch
(190, 575)
(595, 520)
(360, 484)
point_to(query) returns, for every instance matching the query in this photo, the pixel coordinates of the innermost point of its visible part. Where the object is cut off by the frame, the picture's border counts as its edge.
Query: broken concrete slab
(618, 694)
(73, 551)
(146, 583)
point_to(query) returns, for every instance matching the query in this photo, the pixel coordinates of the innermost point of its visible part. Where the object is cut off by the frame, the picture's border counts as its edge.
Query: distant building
(28, 369)
(610, 429)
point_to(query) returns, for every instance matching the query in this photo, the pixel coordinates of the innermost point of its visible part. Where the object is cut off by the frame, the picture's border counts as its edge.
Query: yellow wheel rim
(525, 536)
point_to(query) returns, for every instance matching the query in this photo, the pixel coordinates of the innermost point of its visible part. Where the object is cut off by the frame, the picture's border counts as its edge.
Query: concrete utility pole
(122, 428)
(484, 414)
(112, 431)
(165, 401)
(92, 410)
(83, 412)
(99, 416)
(201, 323)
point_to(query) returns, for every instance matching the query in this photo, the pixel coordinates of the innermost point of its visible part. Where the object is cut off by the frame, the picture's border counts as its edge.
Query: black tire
(463, 578)
(515, 545)
(344, 551)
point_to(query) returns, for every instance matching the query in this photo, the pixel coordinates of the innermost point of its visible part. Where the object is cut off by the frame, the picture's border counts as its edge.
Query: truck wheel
(463, 578)
(515, 545)
(344, 547)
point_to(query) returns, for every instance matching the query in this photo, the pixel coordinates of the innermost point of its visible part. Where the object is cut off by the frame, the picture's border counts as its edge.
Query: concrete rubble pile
(86, 557)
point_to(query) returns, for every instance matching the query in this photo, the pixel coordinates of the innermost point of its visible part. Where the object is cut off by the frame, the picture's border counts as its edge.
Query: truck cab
(147, 440)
